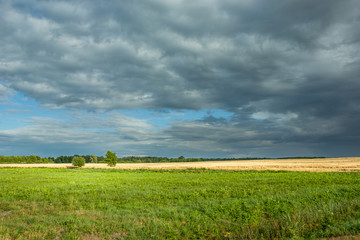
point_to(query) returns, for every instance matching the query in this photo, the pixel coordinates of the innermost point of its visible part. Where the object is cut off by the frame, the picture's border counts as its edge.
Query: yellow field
(349, 164)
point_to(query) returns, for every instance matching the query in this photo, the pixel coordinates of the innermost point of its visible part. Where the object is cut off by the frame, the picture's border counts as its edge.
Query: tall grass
(181, 204)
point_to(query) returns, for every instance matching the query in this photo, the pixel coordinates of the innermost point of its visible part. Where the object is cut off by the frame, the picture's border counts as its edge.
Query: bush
(78, 161)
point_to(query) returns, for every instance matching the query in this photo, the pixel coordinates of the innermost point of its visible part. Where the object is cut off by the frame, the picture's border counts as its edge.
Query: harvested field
(350, 164)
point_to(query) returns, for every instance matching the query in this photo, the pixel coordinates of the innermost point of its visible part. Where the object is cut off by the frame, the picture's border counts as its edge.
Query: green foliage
(25, 159)
(148, 159)
(63, 159)
(93, 159)
(101, 159)
(68, 159)
(183, 204)
(78, 161)
(111, 159)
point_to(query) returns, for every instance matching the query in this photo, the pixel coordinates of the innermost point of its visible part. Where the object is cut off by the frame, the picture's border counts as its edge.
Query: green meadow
(43, 203)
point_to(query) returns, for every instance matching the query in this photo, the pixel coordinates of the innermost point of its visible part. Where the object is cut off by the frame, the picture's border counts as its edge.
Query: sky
(214, 78)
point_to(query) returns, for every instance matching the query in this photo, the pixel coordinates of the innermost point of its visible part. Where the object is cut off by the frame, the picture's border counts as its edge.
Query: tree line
(25, 159)
(127, 159)
(90, 159)
(38, 159)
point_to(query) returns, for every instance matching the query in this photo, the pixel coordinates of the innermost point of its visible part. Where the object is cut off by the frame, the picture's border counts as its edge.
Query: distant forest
(129, 159)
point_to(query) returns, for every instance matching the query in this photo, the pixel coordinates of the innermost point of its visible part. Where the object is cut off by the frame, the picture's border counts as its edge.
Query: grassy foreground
(45, 203)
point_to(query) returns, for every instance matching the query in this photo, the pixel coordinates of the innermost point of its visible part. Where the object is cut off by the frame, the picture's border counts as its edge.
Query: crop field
(350, 164)
(60, 203)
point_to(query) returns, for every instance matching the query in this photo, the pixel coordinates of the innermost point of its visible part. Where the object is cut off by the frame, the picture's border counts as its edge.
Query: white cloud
(280, 117)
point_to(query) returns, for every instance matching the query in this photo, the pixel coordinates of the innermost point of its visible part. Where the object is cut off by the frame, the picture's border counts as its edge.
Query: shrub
(78, 161)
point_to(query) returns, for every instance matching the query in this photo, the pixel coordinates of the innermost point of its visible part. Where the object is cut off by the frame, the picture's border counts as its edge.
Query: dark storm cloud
(288, 70)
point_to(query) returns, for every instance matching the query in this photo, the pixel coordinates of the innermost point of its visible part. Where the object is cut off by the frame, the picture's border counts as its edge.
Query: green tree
(111, 159)
(93, 159)
(33, 159)
(78, 161)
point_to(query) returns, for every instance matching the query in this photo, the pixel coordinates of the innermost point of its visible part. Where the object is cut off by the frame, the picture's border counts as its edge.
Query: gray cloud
(5, 92)
(80, 132)
(293, 64)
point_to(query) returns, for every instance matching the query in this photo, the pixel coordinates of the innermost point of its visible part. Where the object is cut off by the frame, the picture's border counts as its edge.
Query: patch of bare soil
(3, 214)
(351, 164)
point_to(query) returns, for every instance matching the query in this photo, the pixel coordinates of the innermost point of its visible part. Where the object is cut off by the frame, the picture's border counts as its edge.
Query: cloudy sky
(206, 78)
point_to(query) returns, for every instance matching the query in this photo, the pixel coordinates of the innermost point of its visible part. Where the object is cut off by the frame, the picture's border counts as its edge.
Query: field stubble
(349, 164)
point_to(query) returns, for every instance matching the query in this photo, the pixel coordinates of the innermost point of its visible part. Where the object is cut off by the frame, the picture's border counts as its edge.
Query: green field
(183, 204)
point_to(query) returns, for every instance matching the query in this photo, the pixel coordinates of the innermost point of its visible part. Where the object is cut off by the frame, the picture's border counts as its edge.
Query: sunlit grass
(182, 204)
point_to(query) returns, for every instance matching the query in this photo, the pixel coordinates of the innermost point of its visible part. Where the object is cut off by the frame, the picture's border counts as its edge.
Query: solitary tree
(93, 159)
(78, 161)
(111, 159)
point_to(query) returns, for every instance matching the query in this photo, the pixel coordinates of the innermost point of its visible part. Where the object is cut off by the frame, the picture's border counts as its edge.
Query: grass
(45, 203)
